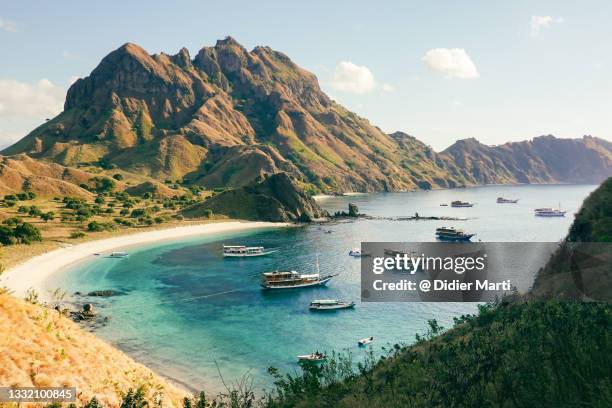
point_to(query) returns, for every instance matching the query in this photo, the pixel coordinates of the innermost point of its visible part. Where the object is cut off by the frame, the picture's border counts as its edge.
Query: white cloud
(452, 62)
(352, 78)
(538, 23)
(356, 79)
(27, 100)
(8, 25)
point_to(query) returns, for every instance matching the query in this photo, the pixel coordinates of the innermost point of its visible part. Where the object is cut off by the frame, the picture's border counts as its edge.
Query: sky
(498, 71)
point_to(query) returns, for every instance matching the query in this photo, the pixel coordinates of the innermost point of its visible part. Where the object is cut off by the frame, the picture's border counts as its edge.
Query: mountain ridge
(228, 116)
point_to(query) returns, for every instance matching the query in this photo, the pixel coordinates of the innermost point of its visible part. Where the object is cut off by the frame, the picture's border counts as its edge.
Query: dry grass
(39, 347)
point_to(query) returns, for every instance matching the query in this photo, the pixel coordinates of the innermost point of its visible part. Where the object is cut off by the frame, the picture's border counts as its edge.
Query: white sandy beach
(35, 271)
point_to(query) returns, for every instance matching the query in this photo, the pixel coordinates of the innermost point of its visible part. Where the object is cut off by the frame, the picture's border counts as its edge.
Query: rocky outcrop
(274, 198)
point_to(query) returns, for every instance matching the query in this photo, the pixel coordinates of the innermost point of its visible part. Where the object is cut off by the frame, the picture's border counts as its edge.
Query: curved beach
(34, 272)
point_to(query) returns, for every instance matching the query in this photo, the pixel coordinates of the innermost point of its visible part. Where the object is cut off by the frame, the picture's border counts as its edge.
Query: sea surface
(198, 318)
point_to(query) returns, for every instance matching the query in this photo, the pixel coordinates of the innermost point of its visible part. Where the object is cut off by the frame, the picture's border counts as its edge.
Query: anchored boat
(330, 304)
(549, 212)
(461, 204)
(452, 234)
(242, 251)
(293, 279)
(312, 357)
(502, 200)
(365, 341)
(119, 254)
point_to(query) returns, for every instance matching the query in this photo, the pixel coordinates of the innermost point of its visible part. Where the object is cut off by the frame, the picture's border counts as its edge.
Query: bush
(77, 234)
(48, 216)
(208, 213)
(27, 233)
(96, 226)
(118, 177)
(158, 220)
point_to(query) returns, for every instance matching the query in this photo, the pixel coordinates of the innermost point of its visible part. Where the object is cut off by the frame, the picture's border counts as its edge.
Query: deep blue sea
(185, 310)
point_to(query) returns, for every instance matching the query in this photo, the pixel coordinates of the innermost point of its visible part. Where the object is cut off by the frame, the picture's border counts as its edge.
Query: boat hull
(332, 308)
(321, 282)
(467, 237)
(249, 255)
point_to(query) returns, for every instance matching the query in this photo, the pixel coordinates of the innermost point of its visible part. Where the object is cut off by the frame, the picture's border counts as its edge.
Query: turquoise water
(185, 310)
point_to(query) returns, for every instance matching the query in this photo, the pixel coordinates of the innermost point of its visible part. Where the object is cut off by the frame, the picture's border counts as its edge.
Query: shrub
(208, 213)
(77, 234)
(118, 177)
(48, 216)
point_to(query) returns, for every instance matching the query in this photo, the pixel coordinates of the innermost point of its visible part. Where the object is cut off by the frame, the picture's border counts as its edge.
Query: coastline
(35, 271)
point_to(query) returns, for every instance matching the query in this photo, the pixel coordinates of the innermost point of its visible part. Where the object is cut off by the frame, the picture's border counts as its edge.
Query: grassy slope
(47, 349)
(520, 354)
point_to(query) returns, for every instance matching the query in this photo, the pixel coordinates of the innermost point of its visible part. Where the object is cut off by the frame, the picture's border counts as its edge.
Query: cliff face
(272, 198)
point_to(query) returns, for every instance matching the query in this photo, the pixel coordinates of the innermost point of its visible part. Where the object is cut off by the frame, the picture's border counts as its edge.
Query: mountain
(545, 159)
(228, 116)
(222, 119)
(20, 173)
(271, 198)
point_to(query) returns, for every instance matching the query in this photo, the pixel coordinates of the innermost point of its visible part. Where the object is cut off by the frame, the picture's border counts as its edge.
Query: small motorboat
(443, 205)
(312, 357)
(119, 254)
(502, 200)
(365, 341)
(330, 304)
(356, 252)
(461, 204)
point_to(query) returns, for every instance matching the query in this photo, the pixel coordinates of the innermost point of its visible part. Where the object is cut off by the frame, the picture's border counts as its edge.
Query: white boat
(549, 212)
(356, 252)
(461, 204)
(242, 251)
(293, 279)
(365, 341)
(330, 304)
(313, 357)
(502, 200)
(119, 254)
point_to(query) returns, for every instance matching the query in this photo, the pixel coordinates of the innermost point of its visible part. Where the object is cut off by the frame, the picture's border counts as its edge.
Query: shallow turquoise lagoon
(184, 310)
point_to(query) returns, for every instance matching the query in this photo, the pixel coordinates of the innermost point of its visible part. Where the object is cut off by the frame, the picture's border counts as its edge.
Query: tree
(104, 184)
(118, 177)
(34, 211)
(48, 216)
(7, 236)
(27, 233)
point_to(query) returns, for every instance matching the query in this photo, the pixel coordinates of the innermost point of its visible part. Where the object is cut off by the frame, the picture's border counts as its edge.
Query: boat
(330, 304)
(461, 204)
(356, 252)
(242, 251)
(293, 279)
(549, 212)
(312, 357)
(443, 205)
(119, 254)
(365, 341)
(452, 234)
(502, 200)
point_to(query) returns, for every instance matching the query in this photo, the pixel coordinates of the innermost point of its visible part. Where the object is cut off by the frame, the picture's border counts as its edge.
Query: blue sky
(440, 70)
